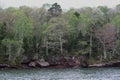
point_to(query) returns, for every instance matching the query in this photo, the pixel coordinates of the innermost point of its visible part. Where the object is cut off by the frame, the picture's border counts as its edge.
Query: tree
(54, 11)
(76, 41)
(116, 22)
(46, 6)
(55, 34)
(105, 11)
(49, 31)
(13, 50)
(107, 37)
(39, 17)
(23, 31)
(118, 8)
(3, 34)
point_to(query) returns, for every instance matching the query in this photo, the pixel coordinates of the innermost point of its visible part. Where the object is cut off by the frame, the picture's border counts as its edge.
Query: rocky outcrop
(39, 63)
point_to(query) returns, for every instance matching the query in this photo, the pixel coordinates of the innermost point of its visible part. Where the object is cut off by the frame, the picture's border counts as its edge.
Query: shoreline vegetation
(51, 37)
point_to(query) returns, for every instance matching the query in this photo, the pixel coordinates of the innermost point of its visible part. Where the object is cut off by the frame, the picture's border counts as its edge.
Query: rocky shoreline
(44, 64)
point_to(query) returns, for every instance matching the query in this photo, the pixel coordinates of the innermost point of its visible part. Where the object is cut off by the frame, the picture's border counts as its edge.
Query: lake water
(61, 74)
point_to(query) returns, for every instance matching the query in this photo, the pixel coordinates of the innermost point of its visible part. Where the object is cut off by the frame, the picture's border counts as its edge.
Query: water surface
(61, 74)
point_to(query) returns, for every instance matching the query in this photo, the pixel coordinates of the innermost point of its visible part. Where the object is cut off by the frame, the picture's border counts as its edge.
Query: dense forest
(52, 33)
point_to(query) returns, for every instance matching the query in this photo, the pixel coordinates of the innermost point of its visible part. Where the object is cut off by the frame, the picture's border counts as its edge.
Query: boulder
(42, 60)
(4, 65)
(42, 63)
(32, 64)
(84, 65)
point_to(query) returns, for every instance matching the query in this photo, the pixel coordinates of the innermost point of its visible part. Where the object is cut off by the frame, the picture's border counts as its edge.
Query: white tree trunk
(105, 53)
(61, 48)
(91, 42)
(101, 58)
(47, 48)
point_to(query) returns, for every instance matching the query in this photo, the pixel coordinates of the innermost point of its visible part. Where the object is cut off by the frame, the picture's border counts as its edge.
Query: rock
(32, 64)
(84, 61)
(84, 65)
(24, 66)
(42, 63)
(113, 64)
(4, 65)
(42, 60)
(59, 66)
(77, 66)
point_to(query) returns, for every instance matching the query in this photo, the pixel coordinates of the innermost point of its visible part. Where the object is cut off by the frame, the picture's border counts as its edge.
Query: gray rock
(4, 65)
(42, 60)
(42, 63)
(32, 64)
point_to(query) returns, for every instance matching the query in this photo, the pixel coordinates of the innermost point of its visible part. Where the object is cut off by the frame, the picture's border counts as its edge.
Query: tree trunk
(61, 48)
(9, 52)
(47, 48)
(91, 42)
(110, 55)
(105, 52)
(101, 57)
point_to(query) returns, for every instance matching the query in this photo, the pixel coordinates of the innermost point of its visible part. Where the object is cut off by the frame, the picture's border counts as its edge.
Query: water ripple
(61, 74)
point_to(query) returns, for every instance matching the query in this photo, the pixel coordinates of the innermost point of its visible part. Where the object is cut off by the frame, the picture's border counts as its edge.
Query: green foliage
(13, 49)
(55, 10)
(48, 33)
(2, 30)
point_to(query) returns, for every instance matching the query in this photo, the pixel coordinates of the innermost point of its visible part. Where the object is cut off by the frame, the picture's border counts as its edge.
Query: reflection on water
(61, 74)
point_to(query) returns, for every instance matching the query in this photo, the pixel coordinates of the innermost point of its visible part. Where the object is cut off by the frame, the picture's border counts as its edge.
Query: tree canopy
(50, 32)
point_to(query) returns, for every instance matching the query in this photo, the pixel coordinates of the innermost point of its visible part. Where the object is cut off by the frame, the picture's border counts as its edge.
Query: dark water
(61, 74)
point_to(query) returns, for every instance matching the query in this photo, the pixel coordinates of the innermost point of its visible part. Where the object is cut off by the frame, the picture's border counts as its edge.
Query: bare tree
(107, 37)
